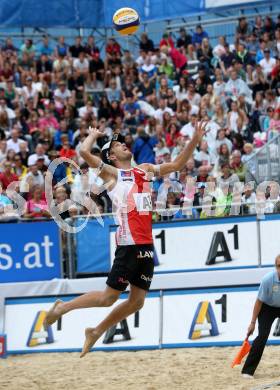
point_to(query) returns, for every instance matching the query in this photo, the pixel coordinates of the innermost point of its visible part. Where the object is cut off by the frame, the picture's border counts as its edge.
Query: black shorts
(133, 264)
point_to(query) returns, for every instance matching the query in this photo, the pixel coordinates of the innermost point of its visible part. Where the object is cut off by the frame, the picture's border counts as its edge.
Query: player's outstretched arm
(180, 161)
(106, 172)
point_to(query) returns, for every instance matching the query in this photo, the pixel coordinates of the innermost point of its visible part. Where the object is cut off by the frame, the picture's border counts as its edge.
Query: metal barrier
(265, 164)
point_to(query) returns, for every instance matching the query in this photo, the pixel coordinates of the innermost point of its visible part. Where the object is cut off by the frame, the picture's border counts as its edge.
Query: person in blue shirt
(266, 310)
(199, 35)
(143, 148)
(45, 47)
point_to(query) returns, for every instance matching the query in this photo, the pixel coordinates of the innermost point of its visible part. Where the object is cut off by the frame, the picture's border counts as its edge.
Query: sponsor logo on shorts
(122, 280)
(146, 278)
(145, 254)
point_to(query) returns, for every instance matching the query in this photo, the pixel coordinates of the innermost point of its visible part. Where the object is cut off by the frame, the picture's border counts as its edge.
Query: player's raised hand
(200, 129)
(98, 133)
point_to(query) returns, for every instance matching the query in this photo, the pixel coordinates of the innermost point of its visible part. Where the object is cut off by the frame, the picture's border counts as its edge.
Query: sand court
(189, 369)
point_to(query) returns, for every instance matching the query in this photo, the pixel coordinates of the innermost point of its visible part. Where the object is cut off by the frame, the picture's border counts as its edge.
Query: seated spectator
(7, 176)
(81, 64)
(161, 110)
(113, 49)
(48, 121)
(248, 200)
(146, 89)
(113, 92)
(37, 206)
(28, 48)
(184, 39)
(143, 147)
(6, 204)
(146, 44)
(19, 168)
(88, 110)
(77, 48)
(205, 53)
(219, 50)
(66, 150)
(227, 177)
(181, 90)
(172, 135)
(199, 35)
(148, 68)
(160, 151)
(226, 59)
(45, 48)
(235, 86)
(237, 166)
(189, 128)
(39, 152)
(32, 178)
(267, 63)
(236, 119)
(203, 156)
(14, 142)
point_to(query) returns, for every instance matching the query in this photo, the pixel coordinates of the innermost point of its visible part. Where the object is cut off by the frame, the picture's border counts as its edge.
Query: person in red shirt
(113, 47)
(7, 177)
(66, 150)
(166, 40)
(172, 135)
(179, 59)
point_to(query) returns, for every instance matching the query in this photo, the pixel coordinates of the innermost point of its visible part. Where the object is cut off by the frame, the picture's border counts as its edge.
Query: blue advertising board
(93, 247)
(29, 252)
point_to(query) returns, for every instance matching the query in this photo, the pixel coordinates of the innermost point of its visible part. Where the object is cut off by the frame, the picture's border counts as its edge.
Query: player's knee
(137, 304)
(108, 300)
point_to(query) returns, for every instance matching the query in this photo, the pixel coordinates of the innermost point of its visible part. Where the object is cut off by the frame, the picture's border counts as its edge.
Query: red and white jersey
(132, 203)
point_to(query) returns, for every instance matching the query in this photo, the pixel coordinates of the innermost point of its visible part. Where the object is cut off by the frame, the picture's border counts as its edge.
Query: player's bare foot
(53, 314)
(91, 337)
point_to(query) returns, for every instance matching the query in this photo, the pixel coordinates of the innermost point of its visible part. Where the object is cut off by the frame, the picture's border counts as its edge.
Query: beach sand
(189, 369)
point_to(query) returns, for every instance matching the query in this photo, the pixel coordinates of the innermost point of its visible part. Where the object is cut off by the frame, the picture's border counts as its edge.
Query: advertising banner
(270, 239)
(205, 244)
(138, 331)
(209, 317)
(29, 252)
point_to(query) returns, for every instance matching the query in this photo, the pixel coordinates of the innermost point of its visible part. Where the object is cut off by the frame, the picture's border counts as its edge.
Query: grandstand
(63, 69)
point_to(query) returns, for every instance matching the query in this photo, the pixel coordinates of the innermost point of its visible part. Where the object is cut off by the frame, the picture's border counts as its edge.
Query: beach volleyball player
(129, 189)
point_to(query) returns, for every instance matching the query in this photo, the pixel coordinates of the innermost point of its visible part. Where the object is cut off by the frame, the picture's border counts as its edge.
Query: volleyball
(126, 21)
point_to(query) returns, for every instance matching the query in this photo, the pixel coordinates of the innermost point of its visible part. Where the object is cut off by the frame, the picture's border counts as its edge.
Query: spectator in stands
(184, 39)
(199, 35)
(37, 206)
(237, 166)
(143, 147)
(267, 63)
(7, 176)
(146, 44)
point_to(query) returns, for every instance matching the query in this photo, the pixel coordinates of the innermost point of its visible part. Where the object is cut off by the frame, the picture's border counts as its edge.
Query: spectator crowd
(51, 93)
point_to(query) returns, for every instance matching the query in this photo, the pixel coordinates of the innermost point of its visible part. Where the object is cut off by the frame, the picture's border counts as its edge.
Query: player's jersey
(132, 203)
